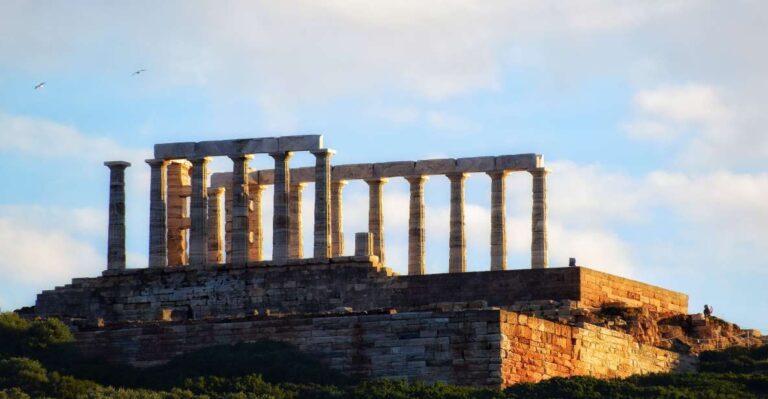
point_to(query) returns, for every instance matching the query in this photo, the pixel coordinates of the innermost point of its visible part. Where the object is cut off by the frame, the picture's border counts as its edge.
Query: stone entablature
(489, 347)
(367, 171)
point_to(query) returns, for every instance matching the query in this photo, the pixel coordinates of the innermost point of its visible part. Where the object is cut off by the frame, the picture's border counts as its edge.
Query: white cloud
(306, 50)
(36, 258)
(49, 139)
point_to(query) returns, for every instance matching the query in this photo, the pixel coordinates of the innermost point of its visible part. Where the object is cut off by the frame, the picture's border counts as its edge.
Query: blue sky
(650, 114)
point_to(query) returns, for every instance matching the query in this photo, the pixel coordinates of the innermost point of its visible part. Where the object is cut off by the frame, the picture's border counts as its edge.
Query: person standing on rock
(708, 310)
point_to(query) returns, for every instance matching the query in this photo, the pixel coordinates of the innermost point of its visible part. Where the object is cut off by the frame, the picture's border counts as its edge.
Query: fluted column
(240, 201)
(296, 250)
(256, 238)
(116, 230)
(539, 244)
(198, 242)
(323, 240)
(158, 222)
(376, 215)
(498, 220)
(337, 218)
(215, 215)
(457, 256)
(280, 226)
(416, 264)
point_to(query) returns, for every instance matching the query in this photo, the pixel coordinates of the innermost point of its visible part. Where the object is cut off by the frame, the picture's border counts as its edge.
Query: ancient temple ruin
(179, 171)
(206, 285)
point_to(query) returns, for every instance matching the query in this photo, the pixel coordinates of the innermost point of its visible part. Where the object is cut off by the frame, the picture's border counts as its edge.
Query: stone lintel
(394, 169)
(475, 164)
(262, 145)
(367, 171)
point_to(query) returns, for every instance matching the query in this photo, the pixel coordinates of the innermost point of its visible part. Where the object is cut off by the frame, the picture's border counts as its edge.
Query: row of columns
(328, 233)
(457, 259)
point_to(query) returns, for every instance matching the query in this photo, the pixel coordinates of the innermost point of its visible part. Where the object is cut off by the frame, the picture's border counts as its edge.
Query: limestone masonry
(207, 282)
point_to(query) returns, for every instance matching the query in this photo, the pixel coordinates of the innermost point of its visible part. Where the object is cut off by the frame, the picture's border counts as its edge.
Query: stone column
(215, 215)
(539, 244)
(416, 226)
(280, 227)
(296, 248)
(158, 223)
(323, 239)
(116, 231)
(498, 220)
(457, 257)
(376, 215)
(363, 244)
(337, 218)
(256, 238)
(198, 243)
(178, 212)
(240, 201)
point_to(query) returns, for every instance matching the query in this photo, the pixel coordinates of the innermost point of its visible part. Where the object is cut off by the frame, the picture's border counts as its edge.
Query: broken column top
(261, 145)
(110, 164)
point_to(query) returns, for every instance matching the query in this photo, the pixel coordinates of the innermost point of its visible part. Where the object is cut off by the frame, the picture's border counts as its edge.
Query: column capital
(157, 162)
(323, 152)
(416, 179)
(459, 176)
(200, 160)
(246, 157)
(281, 156)
(300, 185)
(540, 171)
(377, 180)
(256, 186)
(339, 183)
(498, 174)
(216, 190)
(117, 164)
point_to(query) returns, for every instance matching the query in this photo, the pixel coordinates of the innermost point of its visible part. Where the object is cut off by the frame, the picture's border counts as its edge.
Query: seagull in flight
(39, 85)
(138, 72)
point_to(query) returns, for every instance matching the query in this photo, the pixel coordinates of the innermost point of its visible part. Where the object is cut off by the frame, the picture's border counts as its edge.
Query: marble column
(498, 220)
(539, 244)
(256, 236)
(240, 200)
(376, 215)
(215, 216)
(457, 256)
(337, 218)
(416, 226)
(363, 244)
(323, 240)
(177, 215)
(296, 250)
(158, 222)
(198, 243)
(116, 231)
(280, 226)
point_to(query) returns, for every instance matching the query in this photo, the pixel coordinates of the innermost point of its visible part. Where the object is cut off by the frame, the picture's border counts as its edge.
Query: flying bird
(138, 72)
(39, 85)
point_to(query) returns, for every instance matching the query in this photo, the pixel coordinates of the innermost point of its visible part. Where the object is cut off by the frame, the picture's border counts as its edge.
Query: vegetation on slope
(37, 360)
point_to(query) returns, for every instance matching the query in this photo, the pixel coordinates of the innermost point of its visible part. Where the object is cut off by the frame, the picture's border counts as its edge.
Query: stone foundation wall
(533, 349)
(488, 347)
(459, 347)
(309, 286)
(598, 288)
